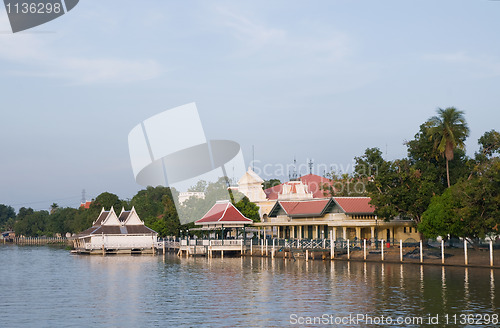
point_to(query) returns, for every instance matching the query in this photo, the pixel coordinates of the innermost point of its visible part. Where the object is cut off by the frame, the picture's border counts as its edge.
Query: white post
(382, 253)
(241, 240)
(210, 248)
(163, 247)
(266, 246)
(421, 253)
(442, 251)
(491, 253)
(273, 247)
(465, 251)
(262, 247)
(332, 247)
(401, 250)
(348, 250)
(307, 255)
(251, 247)
(364, 249)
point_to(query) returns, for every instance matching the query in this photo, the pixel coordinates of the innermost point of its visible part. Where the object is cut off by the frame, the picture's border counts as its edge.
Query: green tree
(270, 183)
(489, 144)
(149, 202)
(468, 209)
(106, 200)
(6, 213)
(248, 209)
(32, 223)
(60, 220)
(448, 130)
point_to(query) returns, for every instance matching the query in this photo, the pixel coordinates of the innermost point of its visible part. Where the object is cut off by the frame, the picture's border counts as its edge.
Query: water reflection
(51, 287)
(492, 289)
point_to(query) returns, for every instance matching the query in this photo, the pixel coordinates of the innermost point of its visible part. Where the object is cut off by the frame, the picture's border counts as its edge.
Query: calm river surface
(49, 287)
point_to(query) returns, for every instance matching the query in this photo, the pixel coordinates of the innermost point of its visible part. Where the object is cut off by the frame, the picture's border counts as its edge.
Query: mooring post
(307, 255)
(382, 250)
(262, 247)
(401, 250)
(272, 252)
(163, 247)
(266, 246)
(251, 247)
(421, 252)
(465, 252)
(332, 247)
(442, 251)
(364, 249)
(348, 250)
(491, 252)
(241, 247)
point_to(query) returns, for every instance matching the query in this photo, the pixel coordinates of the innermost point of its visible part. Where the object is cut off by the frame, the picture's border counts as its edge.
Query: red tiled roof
(86, 204)
(273, 192)
(314, 183)
(223, 213)
(310, 207)
(355, 204)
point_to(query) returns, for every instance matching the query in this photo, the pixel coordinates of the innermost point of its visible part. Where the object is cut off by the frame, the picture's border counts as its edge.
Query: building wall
(125, 241)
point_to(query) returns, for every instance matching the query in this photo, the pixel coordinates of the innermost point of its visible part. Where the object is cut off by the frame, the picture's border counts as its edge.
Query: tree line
(154, 205)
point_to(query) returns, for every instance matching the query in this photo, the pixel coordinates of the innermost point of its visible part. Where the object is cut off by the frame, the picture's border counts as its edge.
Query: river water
(49, 287)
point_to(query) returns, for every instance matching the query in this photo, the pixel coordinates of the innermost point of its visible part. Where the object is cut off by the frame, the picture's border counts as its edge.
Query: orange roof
(86, 204)
(355, 204)
(223, 212)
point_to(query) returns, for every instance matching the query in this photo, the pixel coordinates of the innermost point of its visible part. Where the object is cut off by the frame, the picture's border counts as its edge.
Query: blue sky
(305, 79)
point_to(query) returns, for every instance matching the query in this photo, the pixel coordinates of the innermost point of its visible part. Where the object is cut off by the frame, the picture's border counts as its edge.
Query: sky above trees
(322, 80)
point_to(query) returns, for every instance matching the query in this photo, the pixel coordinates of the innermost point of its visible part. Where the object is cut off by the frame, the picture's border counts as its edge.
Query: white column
(491, 253)
(442, 251)
(401, 250)
(421, 252)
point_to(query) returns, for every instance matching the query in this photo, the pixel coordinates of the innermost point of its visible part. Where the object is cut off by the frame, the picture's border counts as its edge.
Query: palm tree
(449, 131)
(53, 207)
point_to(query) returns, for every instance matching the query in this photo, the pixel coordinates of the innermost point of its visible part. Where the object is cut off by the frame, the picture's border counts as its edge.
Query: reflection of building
(116, 234)
(301, 209)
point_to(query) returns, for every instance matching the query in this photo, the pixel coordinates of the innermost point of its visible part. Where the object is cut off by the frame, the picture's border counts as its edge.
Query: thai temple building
(301, 209)
(112, 234)
(224, 215)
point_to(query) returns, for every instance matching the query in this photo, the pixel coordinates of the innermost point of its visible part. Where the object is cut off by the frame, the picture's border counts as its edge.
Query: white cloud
(41, 57)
